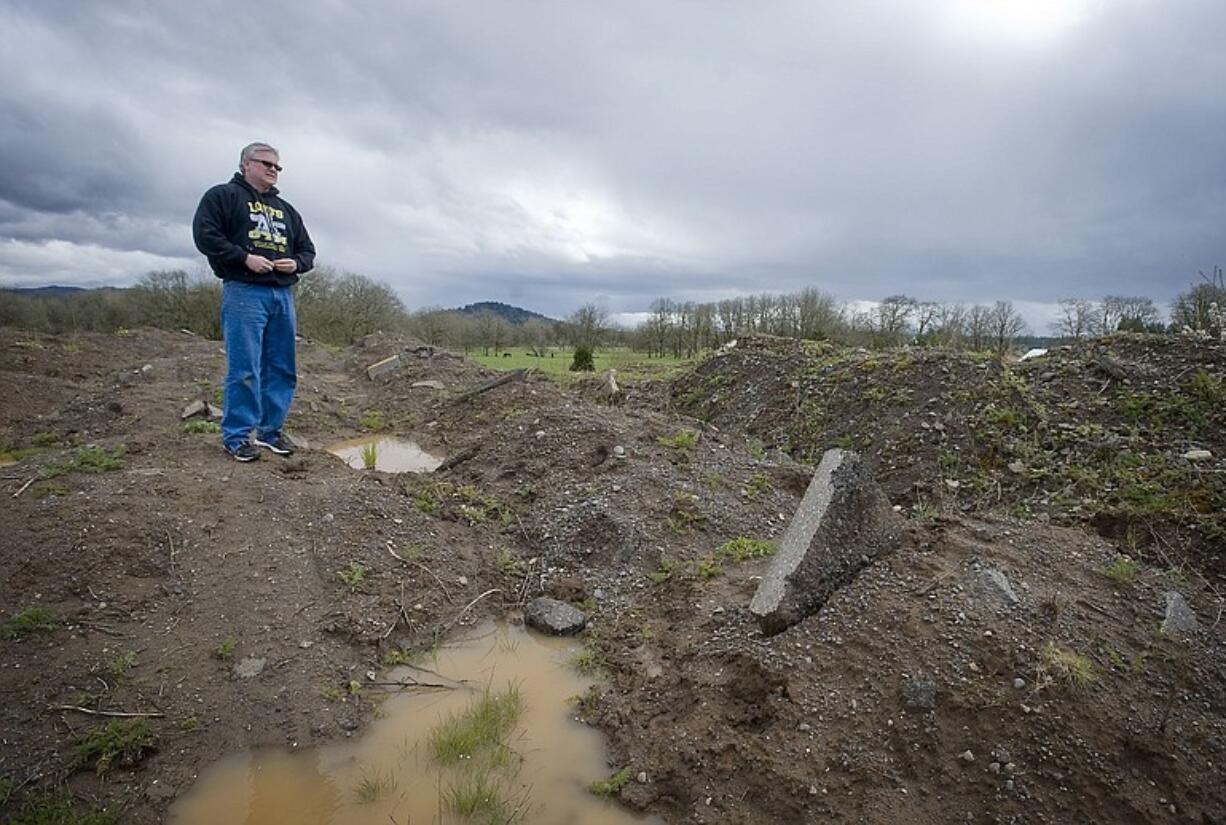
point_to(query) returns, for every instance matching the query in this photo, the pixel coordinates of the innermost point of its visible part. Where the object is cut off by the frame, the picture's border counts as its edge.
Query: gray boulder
(554, 617)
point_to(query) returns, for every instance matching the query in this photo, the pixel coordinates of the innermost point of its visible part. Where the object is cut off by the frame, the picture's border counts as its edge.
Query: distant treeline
(341, 307)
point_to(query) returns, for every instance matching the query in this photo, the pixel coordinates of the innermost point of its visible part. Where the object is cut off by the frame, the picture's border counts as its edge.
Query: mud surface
(245, 605)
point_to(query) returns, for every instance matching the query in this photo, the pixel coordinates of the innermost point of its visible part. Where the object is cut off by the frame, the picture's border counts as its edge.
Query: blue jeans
(258, 325)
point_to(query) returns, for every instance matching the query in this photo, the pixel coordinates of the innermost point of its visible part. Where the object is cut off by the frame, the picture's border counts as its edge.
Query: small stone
(1019, 683)
(619, 451)
(539, 433)
(328, 518)
(952, 483)
(804, 727)
(1017, 467)
(1198, 455)
(967, 756)
(642, 777)
(463, 580)
(347, 723)
(812, 790)
(249, 668)
(1008, 784)
(919, 694)
(994, 767)
(305, 643)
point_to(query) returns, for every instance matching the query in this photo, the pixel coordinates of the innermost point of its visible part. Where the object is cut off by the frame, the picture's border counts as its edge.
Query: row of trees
(342, 307)
(685, 328)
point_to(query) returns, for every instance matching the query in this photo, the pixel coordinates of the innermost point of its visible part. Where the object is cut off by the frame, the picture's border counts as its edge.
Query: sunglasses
(268, 164)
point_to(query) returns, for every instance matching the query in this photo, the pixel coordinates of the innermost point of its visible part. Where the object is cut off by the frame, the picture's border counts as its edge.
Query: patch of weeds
(505, 562)
(1123, 570)
(90, 459)
(189, 724)
(396, 658)
(680, 440)
(482, 797)
(331, 693)
(925, 511)
(6, 789)
(464, 502)
(664, 572)
(1074, 670)
(29, 345)
(756, 449)
(373, 420)
(744, 548)
(34, 619)
(483, 725)
(708, 568)
(605, 788)
(122, 663)
(852, 442)
(1206, 388)
(353, 575)
(45, 439)
(46, 489)
(712, 480)
(354, 687)
(374, 786)
(201, 427)
(413, 551)
(759, 483)
(225, 649)
(370, 456)
(57, 809)
(122, 743)
(589, 661)
(684, 515)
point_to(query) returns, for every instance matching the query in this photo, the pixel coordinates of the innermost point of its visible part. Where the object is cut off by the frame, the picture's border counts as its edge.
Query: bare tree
(1077, 319)
(1200, 309)
(1004, 324)
(587, 325)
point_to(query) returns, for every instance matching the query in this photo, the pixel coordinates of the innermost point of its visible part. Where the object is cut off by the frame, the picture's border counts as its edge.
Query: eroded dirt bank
(183, 584)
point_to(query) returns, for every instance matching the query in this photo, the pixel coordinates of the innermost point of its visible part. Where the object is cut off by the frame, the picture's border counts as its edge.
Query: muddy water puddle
(390, 455)
(538, 774)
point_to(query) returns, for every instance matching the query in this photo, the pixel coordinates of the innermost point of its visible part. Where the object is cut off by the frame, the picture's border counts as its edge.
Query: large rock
(380, 368)
(554, 617)
(842, 525)
(1180, 618)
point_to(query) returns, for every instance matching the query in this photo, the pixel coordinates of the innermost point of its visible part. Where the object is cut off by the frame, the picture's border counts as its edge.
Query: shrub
(583, 361)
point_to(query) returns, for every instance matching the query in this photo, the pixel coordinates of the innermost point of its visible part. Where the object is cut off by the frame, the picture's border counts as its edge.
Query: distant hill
(512, 315)
(56, 291)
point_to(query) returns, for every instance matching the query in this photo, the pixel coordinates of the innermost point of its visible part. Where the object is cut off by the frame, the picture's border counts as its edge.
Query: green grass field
(630, 365)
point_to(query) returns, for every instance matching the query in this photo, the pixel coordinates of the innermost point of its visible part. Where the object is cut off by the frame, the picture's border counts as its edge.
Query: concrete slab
(843, 524)
(379, 368)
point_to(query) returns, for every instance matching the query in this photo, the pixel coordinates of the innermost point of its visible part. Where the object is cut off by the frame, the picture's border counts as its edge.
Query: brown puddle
(392, 455)
(323, 786)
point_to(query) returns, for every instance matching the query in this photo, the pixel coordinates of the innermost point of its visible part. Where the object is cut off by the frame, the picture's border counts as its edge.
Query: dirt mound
(1094, 433)
(144, 572)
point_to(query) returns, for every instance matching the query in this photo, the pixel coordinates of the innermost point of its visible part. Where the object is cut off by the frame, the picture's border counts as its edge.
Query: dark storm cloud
(546, 152)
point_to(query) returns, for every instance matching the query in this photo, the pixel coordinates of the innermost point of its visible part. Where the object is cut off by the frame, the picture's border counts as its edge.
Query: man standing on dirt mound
(258, 245)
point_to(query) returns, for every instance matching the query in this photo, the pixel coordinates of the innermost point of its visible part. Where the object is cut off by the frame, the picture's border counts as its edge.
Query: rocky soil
(1022, 657)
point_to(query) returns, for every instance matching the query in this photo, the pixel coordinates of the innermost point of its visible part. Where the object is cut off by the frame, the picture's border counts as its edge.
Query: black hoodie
(233, 221)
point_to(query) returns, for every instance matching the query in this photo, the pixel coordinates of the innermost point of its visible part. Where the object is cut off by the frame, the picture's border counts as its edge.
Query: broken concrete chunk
(197, 407)
(379, 368)
(554, 617)
(1179, 616)
(843, 524)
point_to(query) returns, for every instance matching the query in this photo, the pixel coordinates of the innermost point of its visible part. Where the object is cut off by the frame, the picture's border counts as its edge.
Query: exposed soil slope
(168, 579)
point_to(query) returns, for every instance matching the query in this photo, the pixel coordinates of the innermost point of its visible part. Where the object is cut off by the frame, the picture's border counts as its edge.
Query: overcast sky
(548, 154)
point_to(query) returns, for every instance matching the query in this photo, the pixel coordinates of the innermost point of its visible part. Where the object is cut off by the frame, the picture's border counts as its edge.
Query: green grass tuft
(483, 726)
(606, 788)
(57, 809)
(34, 619)
(680, 440)
(743, 548)
(1123, 570)
(124, 743)
(201, 427)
